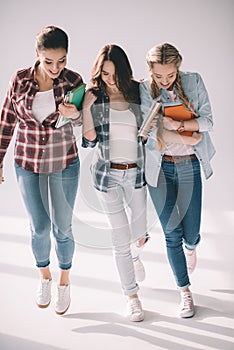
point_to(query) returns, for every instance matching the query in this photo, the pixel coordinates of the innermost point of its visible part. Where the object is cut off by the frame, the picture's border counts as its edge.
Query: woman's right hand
(196, 138)
(89, 99)
(1, 176)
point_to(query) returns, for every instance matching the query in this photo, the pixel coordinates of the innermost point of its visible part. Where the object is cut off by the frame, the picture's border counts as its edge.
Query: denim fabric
(196, 92)
(125, 208)
(177, 200)
(49, 200)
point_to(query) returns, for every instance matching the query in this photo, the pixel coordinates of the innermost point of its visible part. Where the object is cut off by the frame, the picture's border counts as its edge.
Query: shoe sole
(136, 320)
(139, 319)
(62, 312)
(187, 316)
(42, 306)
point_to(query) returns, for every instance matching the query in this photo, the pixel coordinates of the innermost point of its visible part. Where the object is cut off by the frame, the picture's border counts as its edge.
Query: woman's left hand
(68, 110)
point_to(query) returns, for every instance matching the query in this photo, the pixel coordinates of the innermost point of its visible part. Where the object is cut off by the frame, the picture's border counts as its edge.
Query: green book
(75, 96)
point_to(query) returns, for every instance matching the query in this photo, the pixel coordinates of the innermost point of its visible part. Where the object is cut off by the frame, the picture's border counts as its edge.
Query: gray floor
(95, 318)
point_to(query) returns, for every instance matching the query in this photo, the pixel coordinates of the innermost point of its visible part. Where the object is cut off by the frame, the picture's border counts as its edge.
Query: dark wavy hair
(123, 72)
(51, 37)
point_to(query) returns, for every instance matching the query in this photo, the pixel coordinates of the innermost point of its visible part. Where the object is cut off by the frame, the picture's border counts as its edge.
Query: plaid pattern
(39, 147)
(101, 167)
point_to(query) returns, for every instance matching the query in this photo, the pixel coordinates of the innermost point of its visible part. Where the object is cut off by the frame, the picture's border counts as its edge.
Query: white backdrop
(201, 30)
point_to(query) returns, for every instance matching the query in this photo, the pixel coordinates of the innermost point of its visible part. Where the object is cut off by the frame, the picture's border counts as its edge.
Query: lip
(57, 73)
(165, 86)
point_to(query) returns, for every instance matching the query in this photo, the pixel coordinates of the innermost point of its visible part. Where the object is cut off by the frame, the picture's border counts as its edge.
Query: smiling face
(52, 61)
(108, 74)
(164, 75)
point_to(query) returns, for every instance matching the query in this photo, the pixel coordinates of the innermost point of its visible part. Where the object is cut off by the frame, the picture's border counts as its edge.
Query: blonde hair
(166, 54)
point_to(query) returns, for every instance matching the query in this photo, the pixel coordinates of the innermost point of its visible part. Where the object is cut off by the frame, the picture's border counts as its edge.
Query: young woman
(46, 159)
(173, 163)
(111, 119)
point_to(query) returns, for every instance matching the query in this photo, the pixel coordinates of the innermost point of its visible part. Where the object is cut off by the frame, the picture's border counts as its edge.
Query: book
(75, 96)
(177, 111)
(145, 126)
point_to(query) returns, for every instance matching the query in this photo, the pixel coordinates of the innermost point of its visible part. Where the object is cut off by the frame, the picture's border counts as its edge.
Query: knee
(40, 229)
(174, 238)
(62, 233)
(122, 250)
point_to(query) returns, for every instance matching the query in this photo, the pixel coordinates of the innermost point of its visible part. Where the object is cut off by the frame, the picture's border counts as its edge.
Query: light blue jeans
(49, 200)
(177, 200)
(125, 208)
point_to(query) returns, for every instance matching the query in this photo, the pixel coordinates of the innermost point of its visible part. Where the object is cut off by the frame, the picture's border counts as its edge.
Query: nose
(55, 67)
(164, 81)
(111, 79)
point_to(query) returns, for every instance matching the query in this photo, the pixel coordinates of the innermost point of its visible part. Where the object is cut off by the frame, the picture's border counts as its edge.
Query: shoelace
(61, 293)
(135, 307)
(44, 289)
(187, 302)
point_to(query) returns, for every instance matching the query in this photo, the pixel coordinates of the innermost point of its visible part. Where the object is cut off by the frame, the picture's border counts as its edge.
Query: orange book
(177, 111)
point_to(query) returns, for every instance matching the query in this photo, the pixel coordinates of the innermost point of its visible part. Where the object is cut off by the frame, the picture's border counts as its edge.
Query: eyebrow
(167, 74)
(49, 59)
(104, 71)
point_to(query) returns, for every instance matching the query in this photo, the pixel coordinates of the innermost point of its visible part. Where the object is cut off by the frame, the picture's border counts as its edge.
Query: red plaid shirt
(40, 147)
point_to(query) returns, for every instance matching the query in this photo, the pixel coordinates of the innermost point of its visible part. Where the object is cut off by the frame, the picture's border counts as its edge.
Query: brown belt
(123, 166)
(177, 159)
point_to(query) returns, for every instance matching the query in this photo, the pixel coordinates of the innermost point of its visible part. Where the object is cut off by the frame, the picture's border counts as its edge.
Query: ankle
(134, 296)
(45, 273)
(187, 290)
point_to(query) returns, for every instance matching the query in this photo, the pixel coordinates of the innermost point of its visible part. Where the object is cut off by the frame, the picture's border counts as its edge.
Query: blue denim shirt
(196, 92)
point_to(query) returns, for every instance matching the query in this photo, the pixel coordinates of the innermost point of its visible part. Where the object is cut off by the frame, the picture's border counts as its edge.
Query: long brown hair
(123, 71)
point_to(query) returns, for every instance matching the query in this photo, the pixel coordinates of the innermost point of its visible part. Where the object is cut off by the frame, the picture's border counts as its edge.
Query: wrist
(76, 115)
(181, 127)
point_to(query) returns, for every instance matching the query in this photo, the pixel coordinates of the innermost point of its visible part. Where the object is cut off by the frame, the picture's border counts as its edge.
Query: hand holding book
(177, 112)
(73, 97)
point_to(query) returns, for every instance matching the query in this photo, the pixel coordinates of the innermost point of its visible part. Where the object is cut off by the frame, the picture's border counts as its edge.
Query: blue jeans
(177, 200)
(49, 200)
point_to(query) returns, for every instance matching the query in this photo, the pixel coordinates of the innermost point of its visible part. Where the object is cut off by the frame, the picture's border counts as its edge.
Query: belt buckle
(126, 165)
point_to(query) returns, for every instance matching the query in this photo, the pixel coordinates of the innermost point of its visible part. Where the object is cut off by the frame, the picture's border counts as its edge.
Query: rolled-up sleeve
(205, 119)
(87, 143)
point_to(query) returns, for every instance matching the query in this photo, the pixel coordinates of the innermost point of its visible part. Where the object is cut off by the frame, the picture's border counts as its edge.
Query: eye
(62, 61)
(47, 62)
(171, 76)
(104, 73)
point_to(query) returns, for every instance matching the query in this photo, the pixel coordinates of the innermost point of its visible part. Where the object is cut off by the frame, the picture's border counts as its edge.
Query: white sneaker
(134, 310)
(43, 296)
(191, 259)
(186, 308)
(62, 299)
(139, 269)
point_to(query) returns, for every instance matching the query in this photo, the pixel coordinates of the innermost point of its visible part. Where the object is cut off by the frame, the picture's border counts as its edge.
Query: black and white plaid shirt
(101, 166)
